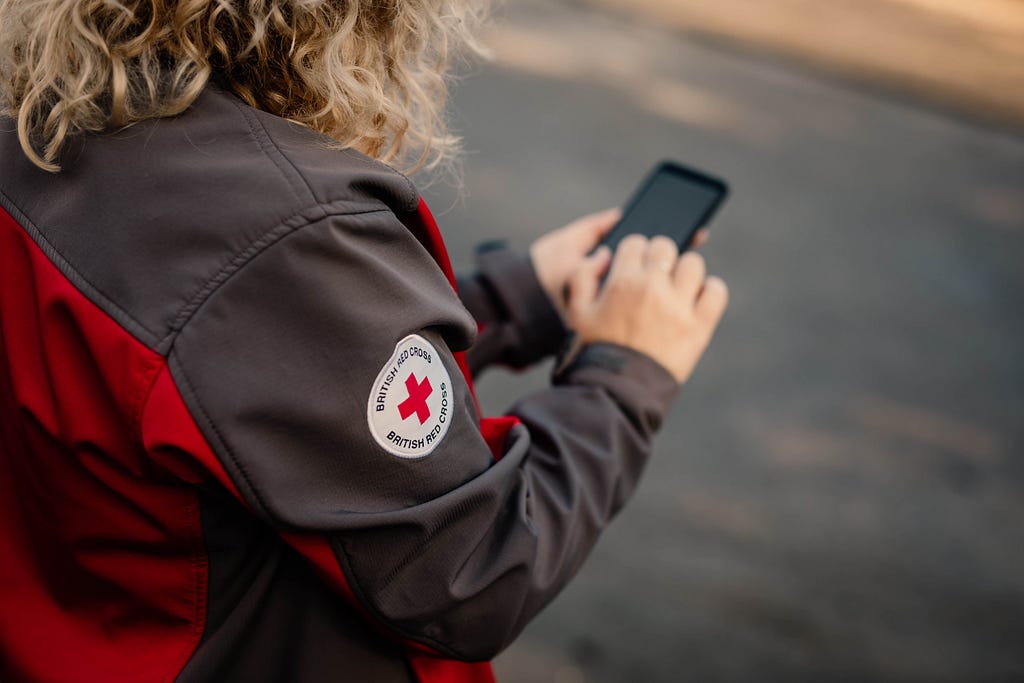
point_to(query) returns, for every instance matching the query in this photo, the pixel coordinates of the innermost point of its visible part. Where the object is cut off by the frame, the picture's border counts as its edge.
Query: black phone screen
(674, 201)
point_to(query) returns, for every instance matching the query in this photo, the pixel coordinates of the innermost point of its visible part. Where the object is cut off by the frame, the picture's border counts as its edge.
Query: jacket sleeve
(281, 368)
(518, 325)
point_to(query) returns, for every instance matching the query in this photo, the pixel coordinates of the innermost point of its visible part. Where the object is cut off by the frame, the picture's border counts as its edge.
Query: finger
(661, 254)
(700, 238)
(585, 282)
(713, 300)
(689, 275)
(601, 222)
(590, 230)
(629, 256)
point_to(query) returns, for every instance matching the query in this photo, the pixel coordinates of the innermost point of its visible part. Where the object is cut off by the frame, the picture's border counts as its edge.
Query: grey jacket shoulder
(148, 220)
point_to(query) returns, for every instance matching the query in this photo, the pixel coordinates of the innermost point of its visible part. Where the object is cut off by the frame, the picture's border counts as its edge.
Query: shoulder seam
(273, 151)
(296, 181)
(294, 223)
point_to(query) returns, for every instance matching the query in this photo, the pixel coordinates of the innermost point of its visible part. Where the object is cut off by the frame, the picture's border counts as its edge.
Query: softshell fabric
(193, 313)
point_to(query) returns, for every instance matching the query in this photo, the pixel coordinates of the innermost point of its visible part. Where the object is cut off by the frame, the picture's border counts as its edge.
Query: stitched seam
(140, 399)
(221, 443)
(249, 113)
(261, 505)
(200, 561)
(193, 396)
(342, 554)
(364, 599)
(257, 248)
(197, 559)
(63, 264)
(267, 145)
(188, 649)
(240, 259)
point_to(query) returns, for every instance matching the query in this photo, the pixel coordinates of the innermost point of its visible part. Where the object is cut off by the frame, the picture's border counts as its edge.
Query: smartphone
(673, 200)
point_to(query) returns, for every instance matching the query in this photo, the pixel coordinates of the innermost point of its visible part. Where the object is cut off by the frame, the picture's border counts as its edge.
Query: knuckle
(694, 261)
(715, 296)
(630, 285)
(690, 269)
(629, 281)
(632, 242)
(718, 286)
(662, 243)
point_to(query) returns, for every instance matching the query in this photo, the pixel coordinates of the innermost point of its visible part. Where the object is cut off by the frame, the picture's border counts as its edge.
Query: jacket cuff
(518, 323)
(641, 386)
(509, 274)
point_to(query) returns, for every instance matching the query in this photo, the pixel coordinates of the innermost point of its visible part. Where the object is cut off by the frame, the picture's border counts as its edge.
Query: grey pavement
(838, 494)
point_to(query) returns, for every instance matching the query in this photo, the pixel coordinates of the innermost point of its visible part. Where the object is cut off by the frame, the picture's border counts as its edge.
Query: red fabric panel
(429, 236)
(103, 571)
(429, 667)
(424, 227)
(495, 430)
(433, 670)
(103, 555)
(172, 437)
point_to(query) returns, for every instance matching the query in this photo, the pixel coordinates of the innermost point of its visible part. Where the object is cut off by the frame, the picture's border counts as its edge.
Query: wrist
(547, 285)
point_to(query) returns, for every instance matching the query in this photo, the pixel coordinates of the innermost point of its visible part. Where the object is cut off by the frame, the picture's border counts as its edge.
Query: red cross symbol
(417, 401)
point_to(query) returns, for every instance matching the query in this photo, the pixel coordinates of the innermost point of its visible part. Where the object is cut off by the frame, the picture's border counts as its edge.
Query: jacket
(239, 438)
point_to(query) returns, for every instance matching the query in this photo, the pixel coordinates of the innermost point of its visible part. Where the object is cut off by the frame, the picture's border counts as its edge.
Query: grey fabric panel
(641, 385)
(317, 159)
(501, 546)
(467, 572)
(147, 221)
(281, 359)
(520, 325)
(452, 549)
(290, 280)
(270, 618)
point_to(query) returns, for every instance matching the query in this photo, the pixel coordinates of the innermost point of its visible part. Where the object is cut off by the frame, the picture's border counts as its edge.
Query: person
(239, 438)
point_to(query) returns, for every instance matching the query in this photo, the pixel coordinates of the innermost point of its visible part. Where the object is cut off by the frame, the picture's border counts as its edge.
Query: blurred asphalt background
(838, 494)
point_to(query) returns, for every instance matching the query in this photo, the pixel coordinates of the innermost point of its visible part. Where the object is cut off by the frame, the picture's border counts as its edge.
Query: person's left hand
(558, 254)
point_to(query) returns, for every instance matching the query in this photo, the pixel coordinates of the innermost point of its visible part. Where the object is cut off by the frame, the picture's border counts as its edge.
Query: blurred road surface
(968, 56)
(838, 494)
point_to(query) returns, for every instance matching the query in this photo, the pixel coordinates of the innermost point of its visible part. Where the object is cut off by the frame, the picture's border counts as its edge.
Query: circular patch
(410, 404)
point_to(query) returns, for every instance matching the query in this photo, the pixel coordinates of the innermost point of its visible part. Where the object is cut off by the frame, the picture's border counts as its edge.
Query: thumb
(590, 230)
(586, 280)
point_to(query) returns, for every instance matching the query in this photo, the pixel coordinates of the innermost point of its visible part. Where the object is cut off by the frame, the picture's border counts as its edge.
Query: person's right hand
(654, 301)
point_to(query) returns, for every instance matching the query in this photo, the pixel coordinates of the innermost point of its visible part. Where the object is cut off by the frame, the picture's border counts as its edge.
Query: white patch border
(383, 442)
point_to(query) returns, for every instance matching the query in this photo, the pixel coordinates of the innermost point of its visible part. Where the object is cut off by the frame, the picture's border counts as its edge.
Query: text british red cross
(417, 401)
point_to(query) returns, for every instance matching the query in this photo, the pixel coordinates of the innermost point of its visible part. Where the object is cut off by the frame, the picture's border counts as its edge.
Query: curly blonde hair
(370, 74)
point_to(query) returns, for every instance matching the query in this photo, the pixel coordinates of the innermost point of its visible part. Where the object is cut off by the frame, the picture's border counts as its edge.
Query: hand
(653, 301)
(558, 254)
